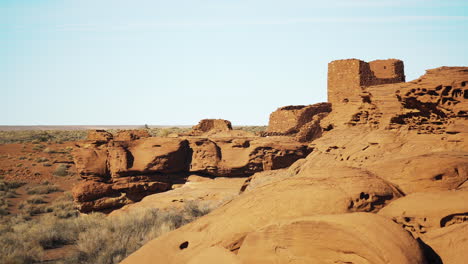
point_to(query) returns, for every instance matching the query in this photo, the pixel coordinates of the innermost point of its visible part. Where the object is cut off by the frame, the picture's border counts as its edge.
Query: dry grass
(61, 170)
(164, 132)
(7, 190)
(98, 239)
(44, 188)
(36, 136)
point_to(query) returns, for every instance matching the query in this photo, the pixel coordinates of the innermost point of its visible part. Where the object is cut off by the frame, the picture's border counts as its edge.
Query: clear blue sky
(65, 62)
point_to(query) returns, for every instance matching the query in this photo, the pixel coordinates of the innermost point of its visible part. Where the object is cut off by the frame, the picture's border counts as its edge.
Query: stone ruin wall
(293, 119)
(347, 78)
(377, 95)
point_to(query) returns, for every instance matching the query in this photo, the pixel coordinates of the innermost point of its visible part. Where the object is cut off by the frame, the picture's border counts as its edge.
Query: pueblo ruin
(378, 174)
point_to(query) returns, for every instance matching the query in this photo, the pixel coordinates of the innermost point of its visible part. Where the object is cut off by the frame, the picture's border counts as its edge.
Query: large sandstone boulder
(345, 238)
(244, 156)
(91, 195)
(159, 161)
(149, 155)
(426, 211)
(293, 197)
(430, 172)
(203, 191)
(91, 160)
(450, 244)
(215, 255)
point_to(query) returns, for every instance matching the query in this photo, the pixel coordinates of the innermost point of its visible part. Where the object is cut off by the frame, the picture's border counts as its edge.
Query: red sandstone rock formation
(126, 135)
(99, 135)
(393, 148)
(130, 170)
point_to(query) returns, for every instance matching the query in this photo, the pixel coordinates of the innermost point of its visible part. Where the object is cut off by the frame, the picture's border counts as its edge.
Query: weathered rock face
(327, 191)
(138, 167)
(99, 135)
(126, 135)
(148, 156)
(384, 139)
(289, 120)
(91, 195)
(422, 212)
(204, 191)
(450, 243)
(332, 239)
(211, 125)
(240, 157)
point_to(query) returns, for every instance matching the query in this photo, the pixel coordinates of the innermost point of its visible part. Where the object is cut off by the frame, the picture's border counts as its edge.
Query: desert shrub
(63, 207)
(48, 150)
(9, 185)
(46, 164)
(38, 136)
(252, 129)
(98, 239)
(4, 204)
(7, 190)
(41, 159)
(38, 147)
(36, 199)
(33, 209)
(43, 189)
(61, 170)
(164, 132)
(121, 235)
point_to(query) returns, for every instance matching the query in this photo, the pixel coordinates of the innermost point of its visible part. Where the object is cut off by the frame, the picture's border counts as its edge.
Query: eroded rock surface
(426, 211)
(326, 192)
(138, 167)
(211, 125)
(384, 138)
(450, 245)
(345, 238)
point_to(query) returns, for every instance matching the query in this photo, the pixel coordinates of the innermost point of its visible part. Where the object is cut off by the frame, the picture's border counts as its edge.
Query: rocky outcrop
(327, 191)
(205, 191)
(332, 239)
(448, 244)
(211, 125)
(126, 135)
(394, 148)
(426, 211)
(138, 167)
(148, 156)
(99, 135)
